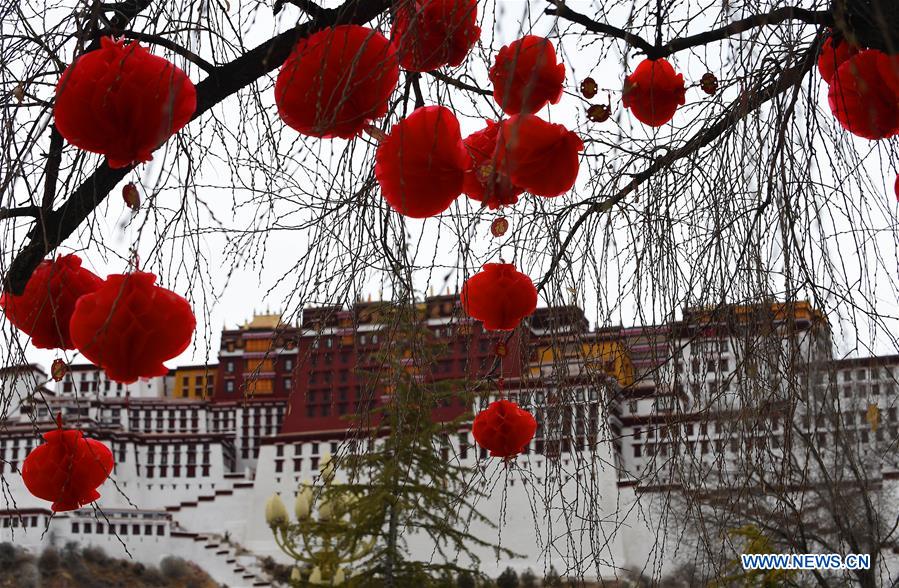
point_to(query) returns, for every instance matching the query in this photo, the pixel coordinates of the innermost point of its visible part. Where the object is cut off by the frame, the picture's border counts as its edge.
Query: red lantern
(538, 156)
(336, 81)
(499, 296)
(896, 188)
(526, 76)
(653, 92)
(130, 326)
(504, 428)
(43, 310)
(832, 56)
(421, 165)
(122, 102)
(67, 469)
(864, 95)
(433, 33)
(484, 182)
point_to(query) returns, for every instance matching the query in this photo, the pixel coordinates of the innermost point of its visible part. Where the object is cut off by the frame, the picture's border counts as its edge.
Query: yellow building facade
(194, 381)
(588, 354)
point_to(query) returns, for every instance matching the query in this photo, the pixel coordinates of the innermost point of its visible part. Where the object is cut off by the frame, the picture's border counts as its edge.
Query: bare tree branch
(224, 81)
(748, 102)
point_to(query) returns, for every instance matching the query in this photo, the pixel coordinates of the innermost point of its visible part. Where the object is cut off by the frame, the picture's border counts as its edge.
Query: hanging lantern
(44, 308)
(58, 369)
(540, 157)
(589, 88)
(526, 77)
(504, 428)
(131, 196)
(709, 83)
(430, 34)
(499, 296)
(864, 95)
(336, 81)
(653, 92)
(130, 326)
(122, 102)
(599, 113)
(67, 469)
(484, 182)
(896, 188)
(833, 54)
(499, 226)
(421, 164)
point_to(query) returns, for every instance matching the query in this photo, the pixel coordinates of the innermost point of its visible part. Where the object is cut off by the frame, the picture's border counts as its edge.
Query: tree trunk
(392, 532)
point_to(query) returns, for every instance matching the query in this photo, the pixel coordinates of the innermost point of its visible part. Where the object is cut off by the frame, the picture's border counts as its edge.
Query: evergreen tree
(410, 487)
(529, 579)
(465, 580)
(552, 578)
(508, 579)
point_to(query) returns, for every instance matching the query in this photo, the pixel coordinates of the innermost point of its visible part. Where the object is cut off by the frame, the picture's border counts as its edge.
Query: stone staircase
(228, 564)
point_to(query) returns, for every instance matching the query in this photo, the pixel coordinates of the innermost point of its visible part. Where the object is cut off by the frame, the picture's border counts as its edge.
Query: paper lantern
(129, 326)
(122, 102)
(864, 95)
(44, 308)
(433, 33)
(504, 428)
(421, 164)
(67, 469)
(653, 92)
(526, 77)
(896, 188)
(540, 157)
(484, 182)
(833, 54)
(499, 296)
(336, 81)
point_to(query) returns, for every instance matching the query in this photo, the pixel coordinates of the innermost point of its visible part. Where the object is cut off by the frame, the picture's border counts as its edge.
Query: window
(636, 432)
(229, 367)
(229, 386)
(637, 450)
(288, 364)
(288, 384)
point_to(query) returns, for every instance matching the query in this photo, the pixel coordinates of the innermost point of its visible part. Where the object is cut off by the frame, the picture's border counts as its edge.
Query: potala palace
(636, 428)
